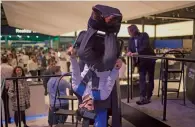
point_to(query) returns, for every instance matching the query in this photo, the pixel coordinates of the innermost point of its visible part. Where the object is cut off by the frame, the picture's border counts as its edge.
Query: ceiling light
(37, 36)
(28, 36)
(10, 36)
(19, 36)
(177, 14)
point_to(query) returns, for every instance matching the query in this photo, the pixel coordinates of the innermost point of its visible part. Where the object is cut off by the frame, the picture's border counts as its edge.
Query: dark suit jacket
(143, 46)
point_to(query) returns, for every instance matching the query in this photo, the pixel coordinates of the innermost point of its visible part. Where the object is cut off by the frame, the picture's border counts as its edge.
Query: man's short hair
(51, 60)
(4, 59)
(55, 69)
(133, 28)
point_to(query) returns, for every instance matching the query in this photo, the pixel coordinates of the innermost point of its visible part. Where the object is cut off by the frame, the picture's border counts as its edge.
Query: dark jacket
(143, 47)
(49, 71)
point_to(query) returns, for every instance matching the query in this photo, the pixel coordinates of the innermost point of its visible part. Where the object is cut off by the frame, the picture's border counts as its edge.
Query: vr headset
(105, 18)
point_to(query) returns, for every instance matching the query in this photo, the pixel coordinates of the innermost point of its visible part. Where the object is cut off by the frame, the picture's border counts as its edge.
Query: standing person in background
(32, 66)
(43, 60)
(24, 95)
(52, 87)
(6, 72)
(139, 43)
(63, 60)
(25, 59)
(11, 60)
(49, 71)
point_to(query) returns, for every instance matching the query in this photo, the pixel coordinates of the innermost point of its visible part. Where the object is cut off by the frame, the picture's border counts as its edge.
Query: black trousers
(33, 72)
(5, 99)
(146, 89)
(22, 116)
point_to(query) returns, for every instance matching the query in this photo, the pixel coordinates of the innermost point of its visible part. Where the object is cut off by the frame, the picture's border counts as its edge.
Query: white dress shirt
(6, 72)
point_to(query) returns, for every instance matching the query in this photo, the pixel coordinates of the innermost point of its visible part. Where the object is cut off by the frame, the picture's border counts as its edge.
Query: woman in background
(24, 95)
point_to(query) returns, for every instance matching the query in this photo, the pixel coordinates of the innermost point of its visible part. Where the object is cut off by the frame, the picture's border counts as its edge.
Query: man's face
(131, 32)
(52, 64)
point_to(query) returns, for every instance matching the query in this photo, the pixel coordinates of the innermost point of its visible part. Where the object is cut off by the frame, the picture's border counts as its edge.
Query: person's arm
(130, 45)
(105, 90)
(76, 74)
(48, 87)
(45, 79)
(145, 44)
(28, 65)
(28, 87)
(11, 91)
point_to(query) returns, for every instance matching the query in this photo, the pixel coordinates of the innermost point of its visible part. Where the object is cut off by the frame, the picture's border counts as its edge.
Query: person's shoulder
(7, 66)
(50, 81)
(144, 34)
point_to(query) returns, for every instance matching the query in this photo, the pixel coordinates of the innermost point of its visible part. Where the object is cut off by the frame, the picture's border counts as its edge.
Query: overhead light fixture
(37, 36)
(173, 14)
(19, 36)
(177, 14)
(10, 36)
(28, 36)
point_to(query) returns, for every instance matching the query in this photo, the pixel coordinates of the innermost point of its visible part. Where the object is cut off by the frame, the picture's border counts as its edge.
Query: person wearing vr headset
(101, 64)
(106, 82)
(139, 44)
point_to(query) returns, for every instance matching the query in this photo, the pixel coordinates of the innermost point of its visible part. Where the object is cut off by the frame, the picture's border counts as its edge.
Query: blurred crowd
(164, 50)
(37, 60)
(32, 62)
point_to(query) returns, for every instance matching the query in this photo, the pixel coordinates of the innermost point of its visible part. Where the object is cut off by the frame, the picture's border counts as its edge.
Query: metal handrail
(165, 58)
(166, 76)
(176, 53)
(41, 76)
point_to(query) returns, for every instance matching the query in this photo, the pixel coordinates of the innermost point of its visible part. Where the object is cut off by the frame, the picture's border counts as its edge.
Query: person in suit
(139, 44)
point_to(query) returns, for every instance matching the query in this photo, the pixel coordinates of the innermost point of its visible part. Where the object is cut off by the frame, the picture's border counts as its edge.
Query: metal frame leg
(128, 79)
(184, 86)
(165, 90)
(18, 103)
(131, 78)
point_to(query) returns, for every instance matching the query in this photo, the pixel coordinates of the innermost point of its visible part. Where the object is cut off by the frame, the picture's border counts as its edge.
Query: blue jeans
(56, 119)
(101, 118)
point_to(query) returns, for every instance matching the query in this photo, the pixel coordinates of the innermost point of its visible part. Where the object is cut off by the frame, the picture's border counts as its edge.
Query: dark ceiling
(167, 17)
(3, 17)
